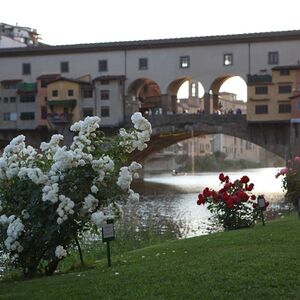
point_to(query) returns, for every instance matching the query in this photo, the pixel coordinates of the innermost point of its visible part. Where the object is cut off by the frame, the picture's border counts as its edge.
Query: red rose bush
(234, 205)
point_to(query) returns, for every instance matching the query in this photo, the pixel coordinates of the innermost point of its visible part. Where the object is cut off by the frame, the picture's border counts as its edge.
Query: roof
(151, 44)
(292, 67)
(48, 76)
(110, 77)
(71, 80)
(7, 81)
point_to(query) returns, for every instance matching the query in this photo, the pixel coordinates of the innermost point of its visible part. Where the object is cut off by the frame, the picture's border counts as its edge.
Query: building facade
(141, 75)
(275, 97)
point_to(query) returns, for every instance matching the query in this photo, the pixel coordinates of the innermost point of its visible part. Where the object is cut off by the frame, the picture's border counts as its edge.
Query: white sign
(108, 231)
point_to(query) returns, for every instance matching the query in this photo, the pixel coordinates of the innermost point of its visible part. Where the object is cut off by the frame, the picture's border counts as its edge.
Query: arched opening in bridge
(229, 94)
(145, 95)
(209, 152)
(186, 95)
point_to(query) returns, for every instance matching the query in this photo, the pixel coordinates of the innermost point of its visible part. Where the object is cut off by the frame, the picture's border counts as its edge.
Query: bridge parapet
(189, 121)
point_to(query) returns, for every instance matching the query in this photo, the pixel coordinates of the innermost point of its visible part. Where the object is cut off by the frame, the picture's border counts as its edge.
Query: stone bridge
(279, 138)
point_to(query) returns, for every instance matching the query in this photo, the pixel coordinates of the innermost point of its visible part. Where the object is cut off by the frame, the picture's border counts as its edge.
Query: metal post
(262, 216)
(108, 254)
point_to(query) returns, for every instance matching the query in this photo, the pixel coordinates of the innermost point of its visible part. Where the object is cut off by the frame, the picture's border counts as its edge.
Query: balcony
(65, 103)
(56, 118)
(266, 78)
(27, 87)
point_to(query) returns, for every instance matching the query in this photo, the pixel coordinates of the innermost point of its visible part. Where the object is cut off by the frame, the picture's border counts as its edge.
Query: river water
(175, 197)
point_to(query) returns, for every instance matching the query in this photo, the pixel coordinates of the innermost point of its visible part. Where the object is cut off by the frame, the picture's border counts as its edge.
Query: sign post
(261, 201)
(108, 234)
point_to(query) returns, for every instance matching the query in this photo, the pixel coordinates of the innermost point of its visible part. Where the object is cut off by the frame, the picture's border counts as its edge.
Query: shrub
(49, 198)
(233, 204)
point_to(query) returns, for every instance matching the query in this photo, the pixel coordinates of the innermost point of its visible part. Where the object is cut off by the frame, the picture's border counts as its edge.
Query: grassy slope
(257, 263)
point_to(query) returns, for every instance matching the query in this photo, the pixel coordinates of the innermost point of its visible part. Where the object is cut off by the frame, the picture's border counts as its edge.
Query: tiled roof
(48, 76)
(110, 77)
(292, 67)
(71, 80)
(157, 43)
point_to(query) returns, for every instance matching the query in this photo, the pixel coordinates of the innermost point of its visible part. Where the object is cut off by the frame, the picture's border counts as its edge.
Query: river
(175, 197)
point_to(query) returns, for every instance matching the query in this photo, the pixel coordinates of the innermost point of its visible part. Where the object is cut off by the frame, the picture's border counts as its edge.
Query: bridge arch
(216, 86)
(145, 93)
(191, 102)
(168, 130)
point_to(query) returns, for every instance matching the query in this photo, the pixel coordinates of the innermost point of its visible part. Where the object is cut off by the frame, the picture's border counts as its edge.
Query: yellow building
(65, 100)
(274, 97)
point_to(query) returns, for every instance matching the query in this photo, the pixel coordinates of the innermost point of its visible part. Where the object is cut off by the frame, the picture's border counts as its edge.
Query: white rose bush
(51, 196)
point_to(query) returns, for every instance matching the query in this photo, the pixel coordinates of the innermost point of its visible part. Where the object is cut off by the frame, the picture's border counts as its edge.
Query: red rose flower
(222, 177)
(253, 197)
(250, 187)
(206, 192)
(201, 199)
(244, 179)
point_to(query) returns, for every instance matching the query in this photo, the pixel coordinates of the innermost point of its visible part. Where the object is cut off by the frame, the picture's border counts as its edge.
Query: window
(104, 82)
(143, 64)
(104, 94)
(27, 116)
(284, 89)
(10, 116)
(44, 112)
(298, 105)
(87, 112)
(184, 62)
(44, 83)
(104, 111)
(273, 58)
(87, 92)
(54, 93)
(5, 99)
(284, 108)
(228, 59)
(12, 99)
(9, 85)
(27, 98)
(70, 93)
(26, 69)
(103, 65)
(261, 109)
(260, 90)
(284, 72)
(64, 67)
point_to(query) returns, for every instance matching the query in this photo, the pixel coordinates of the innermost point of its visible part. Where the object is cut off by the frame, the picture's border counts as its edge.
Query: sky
(93, 21)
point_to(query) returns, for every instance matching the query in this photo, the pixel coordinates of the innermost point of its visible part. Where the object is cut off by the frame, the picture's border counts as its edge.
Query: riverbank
(256, 263)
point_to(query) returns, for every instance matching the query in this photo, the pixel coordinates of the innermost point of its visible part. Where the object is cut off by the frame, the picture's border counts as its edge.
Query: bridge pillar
(207, 103)
(132, 105)
(294, 144)
(168, 103)
(215, 100)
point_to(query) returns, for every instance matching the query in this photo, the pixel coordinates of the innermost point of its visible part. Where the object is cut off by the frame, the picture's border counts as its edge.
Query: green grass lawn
(258, 263)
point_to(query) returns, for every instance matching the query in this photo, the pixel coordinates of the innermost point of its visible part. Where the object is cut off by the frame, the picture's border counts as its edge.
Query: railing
(186, 119)
(59, 118)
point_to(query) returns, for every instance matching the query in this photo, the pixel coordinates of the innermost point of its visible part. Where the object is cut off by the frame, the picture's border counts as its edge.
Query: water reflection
(176, 195)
